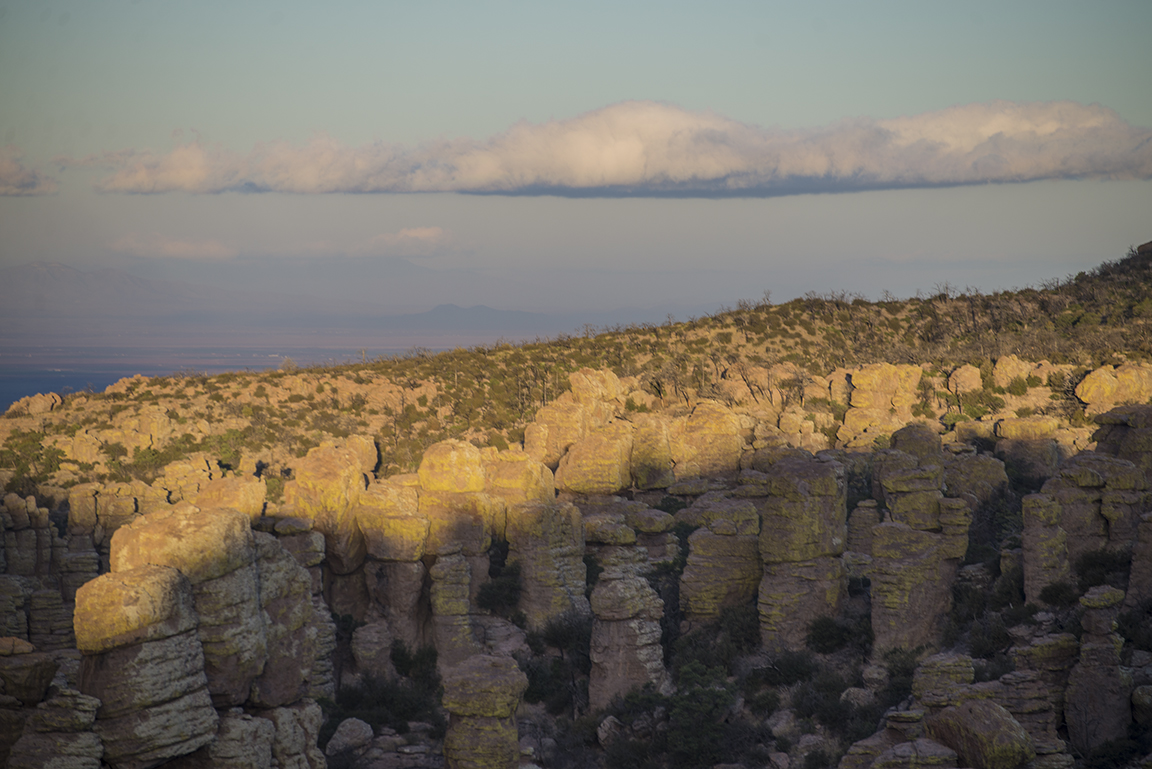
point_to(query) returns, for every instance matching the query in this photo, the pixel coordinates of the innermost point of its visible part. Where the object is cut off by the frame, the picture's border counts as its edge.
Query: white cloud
(652, 149)
(158, 246)
(17, 179)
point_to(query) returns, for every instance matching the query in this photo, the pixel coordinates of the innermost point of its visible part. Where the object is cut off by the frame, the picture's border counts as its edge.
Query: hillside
(829, 532)
(769, 356)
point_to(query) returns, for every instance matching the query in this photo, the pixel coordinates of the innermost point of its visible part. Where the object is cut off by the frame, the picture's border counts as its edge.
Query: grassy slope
(488, 394)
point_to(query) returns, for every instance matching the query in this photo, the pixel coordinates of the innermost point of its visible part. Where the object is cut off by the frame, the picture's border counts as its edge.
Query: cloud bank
(17, 179)
(649, 149)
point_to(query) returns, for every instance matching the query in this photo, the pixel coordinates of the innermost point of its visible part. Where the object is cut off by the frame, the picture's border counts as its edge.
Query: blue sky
(555, 157)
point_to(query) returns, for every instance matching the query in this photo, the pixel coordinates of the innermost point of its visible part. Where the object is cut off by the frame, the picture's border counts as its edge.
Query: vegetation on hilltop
(487, 394)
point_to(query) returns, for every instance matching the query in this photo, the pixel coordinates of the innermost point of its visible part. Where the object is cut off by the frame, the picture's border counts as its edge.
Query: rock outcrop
(482, 694)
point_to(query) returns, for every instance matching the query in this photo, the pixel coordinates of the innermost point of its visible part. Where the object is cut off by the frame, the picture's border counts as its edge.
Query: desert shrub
(817, 759)
(1018, 386)
(1135, 626)
(419, 665)
(901, 664)
(1008, 589)
(826, 635)
(1113, 754)
(32, 461)
(571, 635)
(1103, 567)
(763, 703)
(992, 668)
(741, 626)
(698, 735)
(787, 668)
(381, 702)
(1062, 594)
(989, 636)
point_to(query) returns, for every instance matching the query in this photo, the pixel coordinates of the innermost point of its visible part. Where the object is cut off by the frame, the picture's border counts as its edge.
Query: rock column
(143, 660)
(482, 695)
(802, 535)
(1098, 706)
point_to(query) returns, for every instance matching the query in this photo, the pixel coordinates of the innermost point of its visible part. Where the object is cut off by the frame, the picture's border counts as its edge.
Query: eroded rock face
(916, 551)
(802, 534)
(708, 443)
(59, 734)
(547, 541)
(288, 615)
(625, 650)
(1094, 502)
(451, 626)
(216, 551)
(881, 401)
(600, 463)
(1126, 433)
(1098, 705)
(144, 662)
(482, 695)
(327, 486)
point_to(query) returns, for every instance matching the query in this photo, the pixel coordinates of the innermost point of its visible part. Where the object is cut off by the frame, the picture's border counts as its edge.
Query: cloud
(158, 246)
(653, 149)
(410, 242)
(17, 179)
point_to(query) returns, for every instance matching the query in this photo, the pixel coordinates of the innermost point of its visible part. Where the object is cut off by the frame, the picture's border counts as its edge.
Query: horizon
(283, 165)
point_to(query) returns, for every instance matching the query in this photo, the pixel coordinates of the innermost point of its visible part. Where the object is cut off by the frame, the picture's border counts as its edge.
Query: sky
(564, 157)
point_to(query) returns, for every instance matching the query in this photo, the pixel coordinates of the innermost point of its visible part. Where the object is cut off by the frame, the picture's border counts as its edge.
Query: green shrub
(1135, 626)
(1062, 594)
(826, 635)
(671, 504)
(988, 637)
(1018, 386)
(1103, 567)
(787, 668)
(901, 664)
(419, 665)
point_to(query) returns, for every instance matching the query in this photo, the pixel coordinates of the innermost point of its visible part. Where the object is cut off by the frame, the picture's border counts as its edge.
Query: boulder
(245, 494)
(965, 379)
(351, 739)
(707, 443)
(599, 463)
(983, 734)
(58, 733)
(1107, 387)
(1009, 367)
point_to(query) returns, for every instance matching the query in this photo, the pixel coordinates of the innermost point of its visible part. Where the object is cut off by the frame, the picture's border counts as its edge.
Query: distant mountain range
(55, 304)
